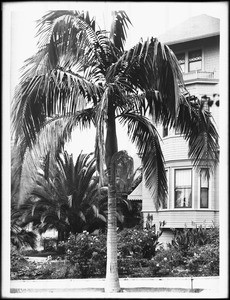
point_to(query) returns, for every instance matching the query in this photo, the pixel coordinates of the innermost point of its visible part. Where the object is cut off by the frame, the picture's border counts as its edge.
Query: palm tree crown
(82, 75)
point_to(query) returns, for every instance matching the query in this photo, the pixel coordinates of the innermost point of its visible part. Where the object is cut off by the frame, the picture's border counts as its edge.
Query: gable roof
(136, 193)
(195, 28)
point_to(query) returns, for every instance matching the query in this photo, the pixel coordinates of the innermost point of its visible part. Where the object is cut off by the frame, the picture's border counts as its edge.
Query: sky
(148, 19)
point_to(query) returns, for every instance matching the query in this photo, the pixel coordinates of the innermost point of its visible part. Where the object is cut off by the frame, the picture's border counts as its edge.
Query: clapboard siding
(148, 200)
(174, 148)
(182, 218)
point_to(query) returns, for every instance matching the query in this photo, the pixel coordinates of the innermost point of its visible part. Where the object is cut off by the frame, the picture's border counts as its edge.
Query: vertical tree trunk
(112, 280)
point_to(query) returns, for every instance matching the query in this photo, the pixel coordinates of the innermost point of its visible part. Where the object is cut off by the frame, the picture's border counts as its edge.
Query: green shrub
(84, 256)
(189, 237)
(131, 266)
(165, 261)
(137, 243)
(203, 260)
(193, 252)
(87, 253)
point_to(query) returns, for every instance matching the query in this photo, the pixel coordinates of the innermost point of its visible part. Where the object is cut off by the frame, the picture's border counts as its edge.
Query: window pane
(165, 203)
(204, 188)
(183, 178)
(204, 198)
(180, 57)
(181, 60)
(195, 65)
(183, 198)
(203, 179)
(195, 60)
(195, 55)
(183, 188)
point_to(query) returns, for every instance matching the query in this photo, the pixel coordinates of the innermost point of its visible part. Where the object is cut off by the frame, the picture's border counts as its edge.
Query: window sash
(203, 198)
(204, 189)
(181, 61)
(183, 188)
(165, 202)
(183, 198)
(194, 60)
(195, 66)
(195, 55)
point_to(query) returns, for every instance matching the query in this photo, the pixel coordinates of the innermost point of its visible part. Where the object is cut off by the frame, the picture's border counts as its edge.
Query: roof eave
(184, 40)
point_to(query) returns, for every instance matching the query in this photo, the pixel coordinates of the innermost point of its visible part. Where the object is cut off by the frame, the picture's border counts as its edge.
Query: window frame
(174, 189)
(167, 199)
(186, 52)
(184, 64)
(201, 61)
(200, 187)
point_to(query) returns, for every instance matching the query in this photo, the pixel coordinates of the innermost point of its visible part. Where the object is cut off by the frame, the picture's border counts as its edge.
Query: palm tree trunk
(112, 279)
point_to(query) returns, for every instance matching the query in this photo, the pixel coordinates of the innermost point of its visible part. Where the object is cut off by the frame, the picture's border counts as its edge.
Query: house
(192, 198)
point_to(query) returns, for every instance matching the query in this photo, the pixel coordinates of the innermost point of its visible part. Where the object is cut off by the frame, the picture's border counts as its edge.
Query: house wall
(148, 201)
(210, 49)
(175, 151)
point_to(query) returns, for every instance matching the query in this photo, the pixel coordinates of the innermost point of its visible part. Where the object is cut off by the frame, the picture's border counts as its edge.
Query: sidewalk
(170, 287)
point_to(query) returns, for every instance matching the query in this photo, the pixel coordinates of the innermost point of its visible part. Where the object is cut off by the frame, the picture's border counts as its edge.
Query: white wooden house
(192, 199)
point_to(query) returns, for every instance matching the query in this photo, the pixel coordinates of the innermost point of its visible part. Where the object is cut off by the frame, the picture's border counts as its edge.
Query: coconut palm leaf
(195, 122)
(118, 29)
(144, 135)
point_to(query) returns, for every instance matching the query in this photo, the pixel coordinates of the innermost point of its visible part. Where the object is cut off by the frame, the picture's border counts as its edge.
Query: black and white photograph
(114, 150)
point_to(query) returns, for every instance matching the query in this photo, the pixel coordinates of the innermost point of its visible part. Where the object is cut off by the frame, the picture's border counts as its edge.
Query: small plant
(203, 260)
(137, 243)
(189, 237)
(84, 256)
(87, 253)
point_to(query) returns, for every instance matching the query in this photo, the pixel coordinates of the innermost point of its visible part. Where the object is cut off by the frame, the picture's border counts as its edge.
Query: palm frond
(118, 29)
(101, 114)
(195, 122)
(142, 133)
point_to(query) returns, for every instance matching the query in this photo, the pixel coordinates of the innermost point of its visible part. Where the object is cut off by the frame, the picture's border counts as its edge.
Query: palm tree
(82, 75)
(64, 196)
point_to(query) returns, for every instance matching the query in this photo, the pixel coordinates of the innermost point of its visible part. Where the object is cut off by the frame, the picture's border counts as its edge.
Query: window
(165, 131)
(181, 60)
(183, 188)
(194, 60)
(204, 188)
(165, 203)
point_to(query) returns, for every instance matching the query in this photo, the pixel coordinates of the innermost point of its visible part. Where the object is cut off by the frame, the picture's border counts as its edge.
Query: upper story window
(204, 189)
(190, 60)
(194, 60)
(181, 60)
(183, 188)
